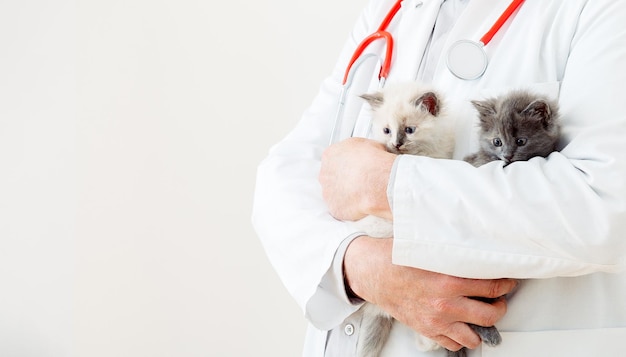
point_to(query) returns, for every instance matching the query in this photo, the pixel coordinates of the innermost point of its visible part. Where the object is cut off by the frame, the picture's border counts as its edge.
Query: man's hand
(435, 305)
(354, 178)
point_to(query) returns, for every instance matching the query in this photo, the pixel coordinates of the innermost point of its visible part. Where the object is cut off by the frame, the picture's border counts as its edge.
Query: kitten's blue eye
(521, 141)
(386, 131)
(409, 129)
(497, 142)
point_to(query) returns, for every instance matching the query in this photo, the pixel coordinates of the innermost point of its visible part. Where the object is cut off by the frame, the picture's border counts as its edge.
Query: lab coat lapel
(413, 33)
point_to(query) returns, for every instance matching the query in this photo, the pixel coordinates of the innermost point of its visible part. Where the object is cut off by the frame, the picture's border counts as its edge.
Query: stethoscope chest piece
(467, 59)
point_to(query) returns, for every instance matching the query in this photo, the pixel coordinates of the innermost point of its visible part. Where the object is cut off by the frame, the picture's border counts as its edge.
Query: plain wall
(130, 132)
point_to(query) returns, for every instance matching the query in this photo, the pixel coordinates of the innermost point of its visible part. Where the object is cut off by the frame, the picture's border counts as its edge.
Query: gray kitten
(408, 118)
(516, 127)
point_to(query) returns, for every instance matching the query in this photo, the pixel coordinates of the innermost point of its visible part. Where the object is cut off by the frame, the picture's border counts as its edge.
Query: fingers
(460, 335)
(457, 336)
(469, 300)
(444, 315)
(482, 313)
(354, 176)
(469, 310)
(448, 343)
(497, 288)
(449, 317)
(481, 288)
(435, 305)
(466, 310)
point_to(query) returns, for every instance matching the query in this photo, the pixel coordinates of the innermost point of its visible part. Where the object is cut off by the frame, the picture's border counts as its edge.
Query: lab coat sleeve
(303, 242)
(560, 216)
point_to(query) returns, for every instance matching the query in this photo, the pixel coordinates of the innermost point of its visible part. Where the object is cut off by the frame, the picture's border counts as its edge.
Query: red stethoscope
(466, 59)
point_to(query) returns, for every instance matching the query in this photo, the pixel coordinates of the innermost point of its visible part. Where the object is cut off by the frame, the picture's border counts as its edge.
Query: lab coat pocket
(570, 343)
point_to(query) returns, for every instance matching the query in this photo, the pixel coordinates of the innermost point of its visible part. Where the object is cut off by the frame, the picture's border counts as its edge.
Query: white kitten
(409, 118)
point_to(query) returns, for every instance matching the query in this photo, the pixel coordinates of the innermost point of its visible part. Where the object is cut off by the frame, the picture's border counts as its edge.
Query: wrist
(364, 260)
(352, 296)
(376, 201)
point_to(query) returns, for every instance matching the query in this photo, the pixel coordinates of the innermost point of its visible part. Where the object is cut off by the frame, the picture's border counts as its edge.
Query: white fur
(434, 135)
(395, 108)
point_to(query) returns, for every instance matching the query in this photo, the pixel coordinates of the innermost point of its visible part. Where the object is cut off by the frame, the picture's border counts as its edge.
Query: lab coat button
(349, 329)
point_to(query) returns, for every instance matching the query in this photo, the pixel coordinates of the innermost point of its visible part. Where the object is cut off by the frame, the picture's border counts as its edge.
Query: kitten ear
(375, 100)
(486, 113)
(539, 109)
(484, 107)
(428, 101)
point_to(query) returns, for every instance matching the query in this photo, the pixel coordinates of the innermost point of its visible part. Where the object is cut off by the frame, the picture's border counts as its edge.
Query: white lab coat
(558, 223)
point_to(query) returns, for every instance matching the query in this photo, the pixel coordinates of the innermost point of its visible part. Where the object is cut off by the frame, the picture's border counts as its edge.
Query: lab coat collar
(411, 29)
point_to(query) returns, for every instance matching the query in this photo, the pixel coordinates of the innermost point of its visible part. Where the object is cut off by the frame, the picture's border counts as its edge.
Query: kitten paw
(425, 344)
(489, 335)
(460, 353)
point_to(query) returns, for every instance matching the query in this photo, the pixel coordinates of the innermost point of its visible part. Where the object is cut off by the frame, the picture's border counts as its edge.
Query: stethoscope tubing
(358, 58)
(459, 55)
(348, 80)
(514, 5)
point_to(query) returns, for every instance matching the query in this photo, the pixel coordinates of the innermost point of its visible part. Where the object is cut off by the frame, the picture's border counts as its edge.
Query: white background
(130, 132)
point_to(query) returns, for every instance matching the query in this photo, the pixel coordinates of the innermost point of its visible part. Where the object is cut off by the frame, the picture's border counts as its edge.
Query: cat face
(517, 127)
(404, 123)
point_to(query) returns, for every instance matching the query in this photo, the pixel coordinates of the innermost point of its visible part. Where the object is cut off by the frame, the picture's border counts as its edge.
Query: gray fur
(523, 124)
(376, 327)
(489, 335)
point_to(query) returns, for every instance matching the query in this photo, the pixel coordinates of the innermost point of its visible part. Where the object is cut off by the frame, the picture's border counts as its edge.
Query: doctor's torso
(531, 51)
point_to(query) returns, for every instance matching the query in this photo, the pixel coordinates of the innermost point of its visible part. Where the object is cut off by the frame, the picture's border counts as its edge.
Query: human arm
(354, 175)
(435, 305)
(300, 238)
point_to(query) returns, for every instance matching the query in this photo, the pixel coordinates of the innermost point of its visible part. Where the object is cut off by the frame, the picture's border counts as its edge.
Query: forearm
(432, 304)
(356, 267)
(534, 220)
(302, 240)
(561, 216)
